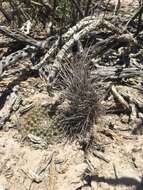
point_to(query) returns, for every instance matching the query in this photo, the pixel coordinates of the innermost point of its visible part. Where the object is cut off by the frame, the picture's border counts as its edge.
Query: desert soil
(32, 166)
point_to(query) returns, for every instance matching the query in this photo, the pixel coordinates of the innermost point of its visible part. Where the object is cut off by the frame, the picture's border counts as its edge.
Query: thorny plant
(78, 118)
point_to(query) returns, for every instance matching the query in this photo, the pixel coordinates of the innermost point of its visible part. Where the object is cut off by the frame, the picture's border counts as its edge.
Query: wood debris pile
(111, 45)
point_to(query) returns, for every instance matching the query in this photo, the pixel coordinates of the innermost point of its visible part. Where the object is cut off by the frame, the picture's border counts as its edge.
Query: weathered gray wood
(19, 36)
(116, 73)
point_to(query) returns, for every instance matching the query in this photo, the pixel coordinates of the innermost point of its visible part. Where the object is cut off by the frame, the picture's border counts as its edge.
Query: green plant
(63, 8)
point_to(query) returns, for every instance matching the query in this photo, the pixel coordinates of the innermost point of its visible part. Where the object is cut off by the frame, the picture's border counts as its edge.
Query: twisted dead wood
(19, 36)
(10, 105)
(114, 73)
(62, 53)
(14, 57)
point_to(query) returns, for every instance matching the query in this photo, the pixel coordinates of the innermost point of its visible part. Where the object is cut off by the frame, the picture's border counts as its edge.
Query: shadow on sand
(126, 181)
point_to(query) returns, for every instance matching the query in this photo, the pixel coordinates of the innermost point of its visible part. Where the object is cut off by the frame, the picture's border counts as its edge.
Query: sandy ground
(20, 165)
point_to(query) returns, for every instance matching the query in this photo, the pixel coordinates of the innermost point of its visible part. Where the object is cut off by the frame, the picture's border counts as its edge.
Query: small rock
(125, 119)
(35, 139)
(94, 185)
(2, 187)
(16, 88)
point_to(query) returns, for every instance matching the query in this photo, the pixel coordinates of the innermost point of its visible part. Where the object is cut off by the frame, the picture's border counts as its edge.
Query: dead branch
(120, 99)
(62, 53)
(134, 16)
(9, 106)
(47, 4)
(19, 36)
(4, 13)
(114, 73)
(79, 26)
(77, 7)
(101, 156)
(14, 57)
